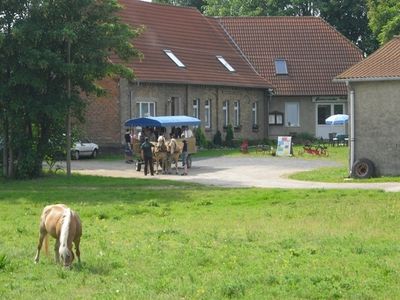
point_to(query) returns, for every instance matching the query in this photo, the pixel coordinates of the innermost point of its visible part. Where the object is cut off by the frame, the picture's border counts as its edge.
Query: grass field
(147, 239)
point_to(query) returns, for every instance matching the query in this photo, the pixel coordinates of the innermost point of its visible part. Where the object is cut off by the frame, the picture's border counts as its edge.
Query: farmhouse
(265, 76)
(374, 86)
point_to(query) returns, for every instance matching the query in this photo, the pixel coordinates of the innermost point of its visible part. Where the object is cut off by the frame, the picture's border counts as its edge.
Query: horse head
(67, 256)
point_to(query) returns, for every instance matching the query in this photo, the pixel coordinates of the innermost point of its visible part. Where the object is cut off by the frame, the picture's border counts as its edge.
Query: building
(266, 76)
(374, 86)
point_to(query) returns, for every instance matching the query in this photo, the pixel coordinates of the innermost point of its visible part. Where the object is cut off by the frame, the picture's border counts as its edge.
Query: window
(275, 118)
(196, 103)
(225, 63)
(146, 109)
(292, 114)
(236, 110)
(172, 56)
(207, 114)
(254, 119)
(225, 112)
(326, 110)
(281, 67)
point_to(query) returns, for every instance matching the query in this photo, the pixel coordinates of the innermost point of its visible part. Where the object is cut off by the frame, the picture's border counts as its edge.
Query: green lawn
(149, 239)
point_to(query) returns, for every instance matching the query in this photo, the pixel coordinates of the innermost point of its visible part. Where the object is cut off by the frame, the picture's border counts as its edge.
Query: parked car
(84, 148)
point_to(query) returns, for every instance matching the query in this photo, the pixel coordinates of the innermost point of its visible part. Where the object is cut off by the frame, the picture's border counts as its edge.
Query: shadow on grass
(82, 190)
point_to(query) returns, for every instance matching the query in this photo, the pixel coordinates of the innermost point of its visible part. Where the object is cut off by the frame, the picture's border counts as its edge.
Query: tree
(34, 101)
(384, 18)
(195, 3)
(348, 16)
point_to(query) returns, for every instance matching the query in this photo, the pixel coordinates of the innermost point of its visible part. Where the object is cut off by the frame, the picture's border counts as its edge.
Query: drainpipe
(352, 137)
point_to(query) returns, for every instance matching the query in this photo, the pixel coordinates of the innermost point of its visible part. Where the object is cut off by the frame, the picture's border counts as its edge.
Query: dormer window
(173, 57)
(225, 63)
(281, 67)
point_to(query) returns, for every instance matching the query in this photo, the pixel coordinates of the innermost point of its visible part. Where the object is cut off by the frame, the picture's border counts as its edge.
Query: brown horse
(161, 154)
(174, 151)
(65, 226)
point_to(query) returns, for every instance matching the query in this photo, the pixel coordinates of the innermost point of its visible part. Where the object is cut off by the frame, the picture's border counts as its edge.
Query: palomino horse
(161, 154)
(65, 226)
(174, 151)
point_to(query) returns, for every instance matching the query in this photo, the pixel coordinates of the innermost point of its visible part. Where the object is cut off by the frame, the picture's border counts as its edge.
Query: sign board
(284, 147)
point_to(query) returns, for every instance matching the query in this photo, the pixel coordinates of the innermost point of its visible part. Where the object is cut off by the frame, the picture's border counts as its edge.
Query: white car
(84, 148)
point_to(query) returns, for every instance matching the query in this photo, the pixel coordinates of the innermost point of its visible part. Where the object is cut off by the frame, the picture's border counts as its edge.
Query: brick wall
(102, 123)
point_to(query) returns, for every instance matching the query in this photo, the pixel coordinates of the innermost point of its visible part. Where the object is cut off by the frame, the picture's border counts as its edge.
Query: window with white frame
(254, 117)
(292, 114)
(225, 112)
(145, 109)
(195, 107)
(207, 113)
(174, 58)
(236, 110)
(223, 61)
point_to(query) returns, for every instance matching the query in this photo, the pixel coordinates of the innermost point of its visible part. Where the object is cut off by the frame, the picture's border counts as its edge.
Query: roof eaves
(243, 85)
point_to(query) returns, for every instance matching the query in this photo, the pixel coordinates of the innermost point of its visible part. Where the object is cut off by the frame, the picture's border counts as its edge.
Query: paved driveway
(267, 172)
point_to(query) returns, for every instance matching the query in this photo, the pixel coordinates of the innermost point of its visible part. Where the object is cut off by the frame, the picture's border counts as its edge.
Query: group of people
(146, 146)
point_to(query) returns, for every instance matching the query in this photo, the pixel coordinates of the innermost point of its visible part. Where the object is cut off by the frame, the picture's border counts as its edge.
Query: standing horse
(161, 154)
(65, 226)
(174, 151)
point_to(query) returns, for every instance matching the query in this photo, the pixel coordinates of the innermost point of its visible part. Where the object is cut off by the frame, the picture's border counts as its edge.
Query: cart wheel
(363, 168)
(138, 166)
(189, 161)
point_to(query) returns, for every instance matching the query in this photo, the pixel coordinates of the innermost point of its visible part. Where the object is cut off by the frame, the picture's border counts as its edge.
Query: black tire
(75, 155)
(95, 153)
(189, 161)
(363, 168)
(138, 166)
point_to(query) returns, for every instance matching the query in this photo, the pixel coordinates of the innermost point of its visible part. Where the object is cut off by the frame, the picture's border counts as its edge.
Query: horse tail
(46, 244)
(65, 232)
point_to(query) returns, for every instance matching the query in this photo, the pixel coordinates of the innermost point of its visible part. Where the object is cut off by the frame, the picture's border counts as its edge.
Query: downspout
(352, 136)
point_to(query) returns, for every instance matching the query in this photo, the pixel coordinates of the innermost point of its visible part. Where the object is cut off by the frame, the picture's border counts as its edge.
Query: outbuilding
(374, 97)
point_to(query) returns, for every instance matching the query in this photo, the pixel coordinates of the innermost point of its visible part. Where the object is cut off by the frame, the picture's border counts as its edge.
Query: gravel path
(266, 172)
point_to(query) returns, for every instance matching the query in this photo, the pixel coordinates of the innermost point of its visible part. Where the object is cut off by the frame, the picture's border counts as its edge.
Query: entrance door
(324, 110)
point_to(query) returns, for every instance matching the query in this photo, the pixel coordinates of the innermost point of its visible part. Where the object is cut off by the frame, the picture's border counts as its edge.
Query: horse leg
(56, 251)
(77, 250)
(42, 235)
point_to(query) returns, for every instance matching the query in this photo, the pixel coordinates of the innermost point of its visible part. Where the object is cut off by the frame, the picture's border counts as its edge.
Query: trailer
(167, 122)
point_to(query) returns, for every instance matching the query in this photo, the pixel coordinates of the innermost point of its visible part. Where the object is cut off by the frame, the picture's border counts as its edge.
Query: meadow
(149, 239)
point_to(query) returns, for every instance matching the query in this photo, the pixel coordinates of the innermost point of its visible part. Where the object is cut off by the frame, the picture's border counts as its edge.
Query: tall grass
(149, 239)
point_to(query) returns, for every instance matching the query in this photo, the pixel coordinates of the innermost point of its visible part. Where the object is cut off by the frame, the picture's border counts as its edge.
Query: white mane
(65, 233)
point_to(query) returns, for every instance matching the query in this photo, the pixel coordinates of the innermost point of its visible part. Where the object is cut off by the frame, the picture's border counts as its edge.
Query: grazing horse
(174, 151)
(65, 226)
(161, 154)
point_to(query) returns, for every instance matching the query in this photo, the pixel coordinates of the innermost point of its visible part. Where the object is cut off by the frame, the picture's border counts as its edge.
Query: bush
(217, 140)
(200, 137)
(304, 137)
(229, 136)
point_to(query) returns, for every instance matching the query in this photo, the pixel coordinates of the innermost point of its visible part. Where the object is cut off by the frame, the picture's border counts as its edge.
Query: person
(187, 132)
(147, 156)
(184, 157)
(128, 147)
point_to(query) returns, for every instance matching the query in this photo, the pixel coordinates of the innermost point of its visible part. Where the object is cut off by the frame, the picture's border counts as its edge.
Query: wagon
(167, 122)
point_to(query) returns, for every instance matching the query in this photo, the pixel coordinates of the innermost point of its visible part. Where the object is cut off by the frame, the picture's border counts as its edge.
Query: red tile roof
(314, 51)
(193, 38)
(382, 64)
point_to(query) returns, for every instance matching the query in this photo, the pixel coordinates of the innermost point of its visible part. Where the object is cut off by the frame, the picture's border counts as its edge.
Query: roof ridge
(167, 5)
(266, 17)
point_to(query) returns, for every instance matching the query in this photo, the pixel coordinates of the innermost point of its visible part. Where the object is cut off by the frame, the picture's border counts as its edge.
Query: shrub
(229, 136)
(217, 140)
(200, 137)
